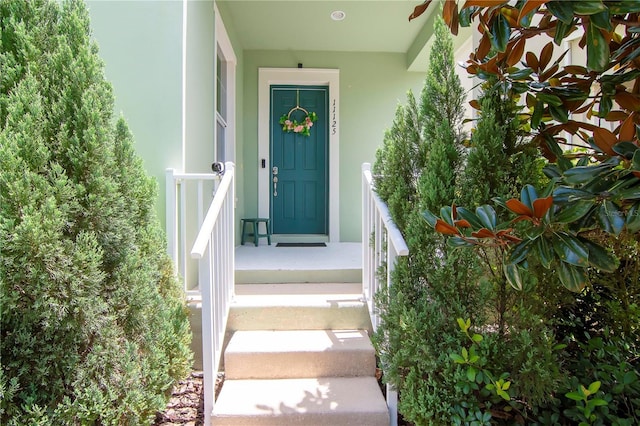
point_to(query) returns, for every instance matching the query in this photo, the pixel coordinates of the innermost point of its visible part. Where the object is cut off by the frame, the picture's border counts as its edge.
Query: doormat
(301, 245)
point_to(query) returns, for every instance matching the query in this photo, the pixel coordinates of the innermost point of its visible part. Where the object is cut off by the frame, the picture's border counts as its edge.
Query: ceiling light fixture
(338, 15)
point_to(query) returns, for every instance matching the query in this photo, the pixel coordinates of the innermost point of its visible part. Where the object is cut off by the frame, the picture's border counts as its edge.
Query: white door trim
(300, 77)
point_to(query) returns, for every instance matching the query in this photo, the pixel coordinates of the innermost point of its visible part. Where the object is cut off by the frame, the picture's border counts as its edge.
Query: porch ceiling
(369, 26)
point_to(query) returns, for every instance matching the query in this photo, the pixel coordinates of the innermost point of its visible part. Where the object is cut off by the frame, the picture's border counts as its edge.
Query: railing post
(376, 219)
(171, 220)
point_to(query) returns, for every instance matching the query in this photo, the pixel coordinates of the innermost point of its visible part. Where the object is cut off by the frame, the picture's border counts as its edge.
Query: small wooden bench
(255, 222)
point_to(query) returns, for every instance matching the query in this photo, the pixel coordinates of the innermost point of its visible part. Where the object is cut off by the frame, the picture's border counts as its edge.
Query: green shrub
(93, 324)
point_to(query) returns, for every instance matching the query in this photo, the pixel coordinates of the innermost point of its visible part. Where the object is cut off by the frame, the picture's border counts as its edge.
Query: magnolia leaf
(500, 32)
(610, 218)
(545, 55)
(588, 7)
(550, 98)
(446, 229)
(446, 214)
(562, 10)
(532, 61)
(633, 219)
(628, 101)
(602, 20)
(515, 54)
(600, 258)
(627, 150)
(487, 216)
(541, 206)
(632, 193)
(528, 8)
(457, 242)
(528, 194)
(561, 31)
(512, 275)
(536, 117)
(518, 208)
(559, 113)
(470, 217)
(573, 278)
(583, 174)
(519, 252)
(624, 7)
(419, 10)
(483, 233)
(597, 48)
(450, 15)
(430, 218)
(570, 250)
(564, 194)
(574, 211)
(636, 160)
(545, 252)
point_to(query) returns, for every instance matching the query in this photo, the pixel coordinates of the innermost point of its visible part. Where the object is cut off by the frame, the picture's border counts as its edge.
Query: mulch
(186, 406)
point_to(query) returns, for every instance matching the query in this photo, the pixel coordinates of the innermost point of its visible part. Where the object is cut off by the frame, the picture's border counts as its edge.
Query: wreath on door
(302, 127)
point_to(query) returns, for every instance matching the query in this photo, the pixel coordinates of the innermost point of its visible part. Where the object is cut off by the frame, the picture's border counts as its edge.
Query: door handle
(275, 180)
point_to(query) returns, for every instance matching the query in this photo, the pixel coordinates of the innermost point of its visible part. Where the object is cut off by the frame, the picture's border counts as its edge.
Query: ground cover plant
(92, 321)
(550, 334)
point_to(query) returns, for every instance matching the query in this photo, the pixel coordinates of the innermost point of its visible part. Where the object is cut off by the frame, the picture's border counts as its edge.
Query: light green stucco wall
(371, 86)
(141, 43)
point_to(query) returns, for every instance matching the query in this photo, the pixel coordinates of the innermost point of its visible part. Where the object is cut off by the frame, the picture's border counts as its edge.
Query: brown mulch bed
(186, 406)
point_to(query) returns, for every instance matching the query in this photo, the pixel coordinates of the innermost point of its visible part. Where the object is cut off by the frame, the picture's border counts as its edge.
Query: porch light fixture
(338, 15)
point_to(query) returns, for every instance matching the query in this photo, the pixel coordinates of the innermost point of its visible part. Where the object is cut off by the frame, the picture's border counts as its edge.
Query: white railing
(183, 220)
(215, 249)
(382, 243)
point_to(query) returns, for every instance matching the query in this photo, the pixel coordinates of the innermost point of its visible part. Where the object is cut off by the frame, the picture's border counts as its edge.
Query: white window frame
(224, 49)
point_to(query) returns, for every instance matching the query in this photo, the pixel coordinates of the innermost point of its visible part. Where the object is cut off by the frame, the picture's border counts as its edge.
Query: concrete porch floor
(337, 263)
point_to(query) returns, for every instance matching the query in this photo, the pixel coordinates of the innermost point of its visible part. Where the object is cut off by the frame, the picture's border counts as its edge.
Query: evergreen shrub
(92, 319)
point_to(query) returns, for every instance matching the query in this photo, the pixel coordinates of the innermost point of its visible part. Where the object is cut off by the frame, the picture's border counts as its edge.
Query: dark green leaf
(519, 252)
(574, 211)
(500, 31)
(545, 252)
(528, 195)
(512, 274)
(610, 218)
(573, 278)
(465, 16)
(565, 194)
(633, 219)
(562, 10)
(588, 7)
(470, 217)
(602, 20)
(570, 250)
(487, 216)
(549, 99)
(559, 113)
(583, 174)
(430, 218)
(605, 106)
(536, 117)
(597, 49)
(631, 193)
(623, 7)
(561, 32)
(627, 150)
(457, 242)
(446, 214)
(635, 163)
(521, 74)
(600, 258)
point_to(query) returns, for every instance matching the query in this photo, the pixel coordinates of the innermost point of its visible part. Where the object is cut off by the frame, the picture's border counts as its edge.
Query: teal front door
(299, 178)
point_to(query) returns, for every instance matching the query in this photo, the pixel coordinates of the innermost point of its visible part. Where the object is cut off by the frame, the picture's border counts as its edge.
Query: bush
(93, 324)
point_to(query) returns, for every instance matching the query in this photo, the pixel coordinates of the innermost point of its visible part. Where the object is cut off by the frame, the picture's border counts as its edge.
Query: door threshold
(300, 238)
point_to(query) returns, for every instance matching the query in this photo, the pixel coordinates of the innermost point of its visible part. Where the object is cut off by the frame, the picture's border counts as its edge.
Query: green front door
(299, 178)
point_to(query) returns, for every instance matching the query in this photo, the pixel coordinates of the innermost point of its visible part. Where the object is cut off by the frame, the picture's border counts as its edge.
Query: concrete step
(283, 354)
(248, 289)
(335, 401)
(296, 275)
(299, 311)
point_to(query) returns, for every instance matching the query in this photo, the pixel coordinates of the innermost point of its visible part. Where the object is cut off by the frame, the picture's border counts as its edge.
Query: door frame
(300, 77)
